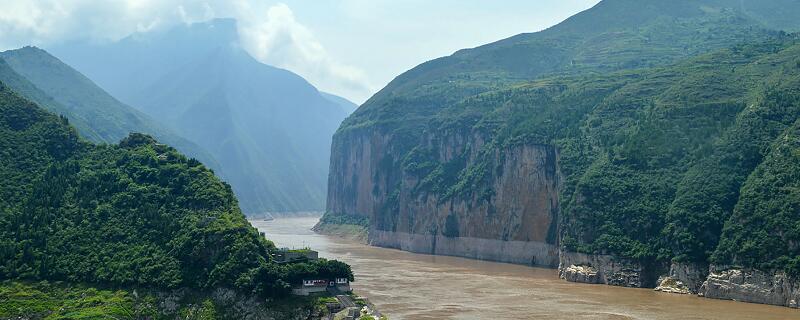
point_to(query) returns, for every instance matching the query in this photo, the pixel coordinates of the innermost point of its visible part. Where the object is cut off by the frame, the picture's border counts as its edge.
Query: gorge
(636, 151)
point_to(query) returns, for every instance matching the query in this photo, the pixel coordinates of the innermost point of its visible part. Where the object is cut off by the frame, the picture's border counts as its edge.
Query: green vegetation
(63, 300)
(345, 219)
(764, 231)
(39, 77)
(137, 214)
(661, 144)
(60, 301)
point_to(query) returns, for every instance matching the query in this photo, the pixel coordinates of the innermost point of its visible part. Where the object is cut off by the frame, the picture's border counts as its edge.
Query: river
(412, 286)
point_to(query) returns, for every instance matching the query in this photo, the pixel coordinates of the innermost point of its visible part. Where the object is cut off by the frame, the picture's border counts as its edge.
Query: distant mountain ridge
(98, 116)
(347, 106)
(269, 128)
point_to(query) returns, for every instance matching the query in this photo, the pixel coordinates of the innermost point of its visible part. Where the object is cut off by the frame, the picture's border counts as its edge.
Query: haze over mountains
(269, 129)
(98, 116)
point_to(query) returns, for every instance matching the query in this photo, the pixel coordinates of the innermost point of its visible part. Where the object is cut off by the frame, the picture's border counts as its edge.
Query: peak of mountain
(137, 65)
(269, 128)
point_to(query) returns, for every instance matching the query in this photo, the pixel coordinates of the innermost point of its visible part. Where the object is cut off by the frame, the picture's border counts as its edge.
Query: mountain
(620, 146)
(269, 128)
(99, 117)
(347, 106)
(136, 215)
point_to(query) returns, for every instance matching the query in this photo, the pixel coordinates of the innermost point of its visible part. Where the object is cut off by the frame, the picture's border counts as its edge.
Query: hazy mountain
(347, 106)
(98, 116)
(269, 128)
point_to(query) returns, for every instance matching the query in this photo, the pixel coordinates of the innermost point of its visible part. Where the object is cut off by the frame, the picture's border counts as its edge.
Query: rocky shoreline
(714, 282)
(724, 283)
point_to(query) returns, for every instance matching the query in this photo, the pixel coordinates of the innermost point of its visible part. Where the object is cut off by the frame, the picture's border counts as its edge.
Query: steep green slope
(614, 35)
(98, 116)
(764, 231)
(137, 214)
(31, 92)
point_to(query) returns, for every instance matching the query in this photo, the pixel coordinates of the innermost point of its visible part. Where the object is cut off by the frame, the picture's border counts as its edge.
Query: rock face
(683, 278)
(603, 269)
(752, 286)
(509, 216)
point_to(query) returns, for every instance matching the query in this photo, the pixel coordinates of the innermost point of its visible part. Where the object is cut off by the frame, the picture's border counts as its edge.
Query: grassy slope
(31, 92)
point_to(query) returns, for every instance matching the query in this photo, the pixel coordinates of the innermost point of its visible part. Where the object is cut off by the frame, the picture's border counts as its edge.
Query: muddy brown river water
(419, 287)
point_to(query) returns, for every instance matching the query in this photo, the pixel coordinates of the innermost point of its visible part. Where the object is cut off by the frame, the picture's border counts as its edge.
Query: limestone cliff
(512, 217)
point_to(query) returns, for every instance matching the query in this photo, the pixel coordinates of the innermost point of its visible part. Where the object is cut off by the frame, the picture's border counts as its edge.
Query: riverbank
(350, 232)
(406, 285)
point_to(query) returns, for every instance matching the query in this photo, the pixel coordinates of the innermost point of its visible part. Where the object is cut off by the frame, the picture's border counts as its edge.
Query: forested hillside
(133, 215)
(653, 120)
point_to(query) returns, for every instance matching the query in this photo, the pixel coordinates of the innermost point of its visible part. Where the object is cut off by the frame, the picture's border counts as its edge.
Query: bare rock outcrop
(752, 286)
(683, 278)
(601, 269)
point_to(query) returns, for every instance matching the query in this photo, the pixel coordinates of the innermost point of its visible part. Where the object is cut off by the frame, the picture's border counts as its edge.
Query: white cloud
(270, 32)
(274, 36)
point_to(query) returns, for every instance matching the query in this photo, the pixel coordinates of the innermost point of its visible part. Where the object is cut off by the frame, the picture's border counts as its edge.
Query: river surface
(412, 286)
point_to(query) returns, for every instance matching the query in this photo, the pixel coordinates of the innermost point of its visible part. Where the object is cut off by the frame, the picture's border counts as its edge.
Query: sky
(351, 48)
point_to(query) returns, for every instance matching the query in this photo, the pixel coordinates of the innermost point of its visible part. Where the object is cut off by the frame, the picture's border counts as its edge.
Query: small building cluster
(310, 286)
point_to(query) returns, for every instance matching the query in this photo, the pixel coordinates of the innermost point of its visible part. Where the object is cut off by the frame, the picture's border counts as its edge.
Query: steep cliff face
(511, 218)
(357, 186)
